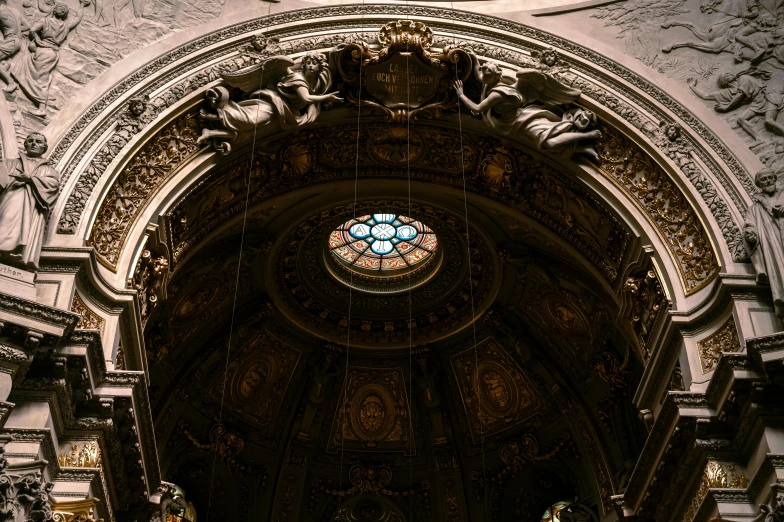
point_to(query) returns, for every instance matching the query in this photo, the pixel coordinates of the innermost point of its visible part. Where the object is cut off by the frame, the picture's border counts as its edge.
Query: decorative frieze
(87, 455)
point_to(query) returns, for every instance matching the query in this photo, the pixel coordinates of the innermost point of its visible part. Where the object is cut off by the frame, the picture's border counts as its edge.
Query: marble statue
(279, 92)
(531, 108)
(763, 235)
(28, 189)
(33, 70)
(10, 43)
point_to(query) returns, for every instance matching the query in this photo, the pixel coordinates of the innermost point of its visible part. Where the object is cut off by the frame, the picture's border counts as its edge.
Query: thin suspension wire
(410, 305)
(236, 285)
(470, 273)
(351, 276)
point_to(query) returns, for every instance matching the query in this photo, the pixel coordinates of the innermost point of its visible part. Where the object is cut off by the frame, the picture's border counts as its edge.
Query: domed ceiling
(497, 372)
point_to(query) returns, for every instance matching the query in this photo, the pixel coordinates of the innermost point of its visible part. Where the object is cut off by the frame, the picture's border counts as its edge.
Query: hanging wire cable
(410, 305)
(351, 274)
(470, 271)
(236, 282)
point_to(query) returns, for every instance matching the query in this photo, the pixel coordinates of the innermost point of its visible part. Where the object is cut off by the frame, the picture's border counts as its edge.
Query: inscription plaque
(403, 81)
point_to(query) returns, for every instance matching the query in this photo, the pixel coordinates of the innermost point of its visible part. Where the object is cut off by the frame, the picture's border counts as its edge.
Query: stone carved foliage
(257, 379)
(496, 394)
(724, 340)
(138, 181)
(715, 475)
(24, 496)
(373, 413)
(732, 59)
(667, 207)
(88, 320)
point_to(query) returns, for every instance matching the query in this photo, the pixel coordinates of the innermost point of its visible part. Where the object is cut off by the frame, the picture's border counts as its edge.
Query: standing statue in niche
(28, 189)
(763, 235)
(531, 108)
(280, 92)
(34, 69)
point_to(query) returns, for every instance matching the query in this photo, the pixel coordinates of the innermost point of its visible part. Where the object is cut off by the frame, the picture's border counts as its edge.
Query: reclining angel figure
(530, 107)
(281, 92)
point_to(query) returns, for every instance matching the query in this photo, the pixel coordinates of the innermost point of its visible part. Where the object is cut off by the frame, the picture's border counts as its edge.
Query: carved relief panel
(257, 379)
(373, 413)
(496, 394)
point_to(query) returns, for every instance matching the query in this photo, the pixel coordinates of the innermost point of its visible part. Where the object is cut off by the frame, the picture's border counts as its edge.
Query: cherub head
(672, 131)
(137, 106)
(313, 62)
(491, 73)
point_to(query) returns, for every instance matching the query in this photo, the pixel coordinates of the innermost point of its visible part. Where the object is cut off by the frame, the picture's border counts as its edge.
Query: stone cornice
(62, 321)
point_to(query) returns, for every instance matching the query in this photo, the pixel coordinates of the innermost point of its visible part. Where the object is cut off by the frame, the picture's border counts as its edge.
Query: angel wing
(265, 74)
(535, 85)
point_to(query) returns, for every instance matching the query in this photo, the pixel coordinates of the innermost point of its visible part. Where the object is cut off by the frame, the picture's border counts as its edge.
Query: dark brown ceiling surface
(484, 389)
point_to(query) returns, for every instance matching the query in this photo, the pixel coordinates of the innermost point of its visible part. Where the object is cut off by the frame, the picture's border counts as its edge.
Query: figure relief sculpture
(28, 189)
(33, 70)
(281, 92)
(533, 107)
(764, 235)
(10, 43)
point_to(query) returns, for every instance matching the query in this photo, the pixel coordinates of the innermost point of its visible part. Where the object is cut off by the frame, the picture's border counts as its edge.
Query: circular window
(383, 253)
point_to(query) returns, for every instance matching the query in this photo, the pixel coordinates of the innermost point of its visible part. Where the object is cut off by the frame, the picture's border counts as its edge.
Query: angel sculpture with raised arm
(531, 107)
(280, 92)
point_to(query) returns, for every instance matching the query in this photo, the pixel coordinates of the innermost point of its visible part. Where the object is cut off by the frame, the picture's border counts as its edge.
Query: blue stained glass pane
(384, 218)
(360, 231)
(399, 242)
(381, 247)
(406, 232)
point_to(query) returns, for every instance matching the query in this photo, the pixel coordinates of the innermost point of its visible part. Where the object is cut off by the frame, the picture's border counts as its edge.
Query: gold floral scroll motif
(373, 414)
(723, 340)
(495, 392)
(88, 320)
(138, 182)
(667, 207)
(257, 379)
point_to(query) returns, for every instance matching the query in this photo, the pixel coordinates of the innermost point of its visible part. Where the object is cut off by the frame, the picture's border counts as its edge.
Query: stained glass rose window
(383, 242)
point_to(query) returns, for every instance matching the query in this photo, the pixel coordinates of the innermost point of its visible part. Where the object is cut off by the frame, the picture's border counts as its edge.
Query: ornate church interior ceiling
(395, 262)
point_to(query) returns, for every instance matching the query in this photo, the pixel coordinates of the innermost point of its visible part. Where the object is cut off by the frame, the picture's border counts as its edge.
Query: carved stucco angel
(280, 92)
(532, 106)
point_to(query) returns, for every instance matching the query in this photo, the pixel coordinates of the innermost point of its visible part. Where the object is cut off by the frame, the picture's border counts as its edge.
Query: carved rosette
(496, 394)
(723, 340)
(373, 414)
